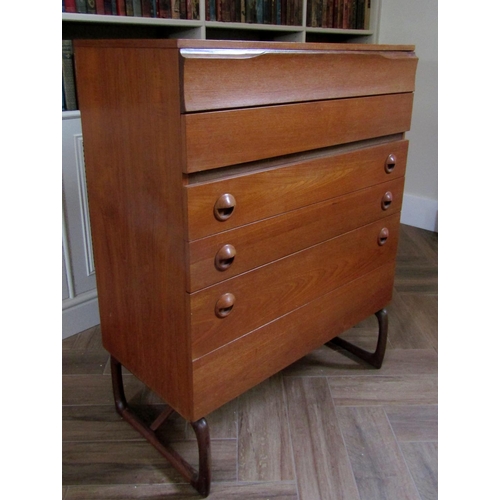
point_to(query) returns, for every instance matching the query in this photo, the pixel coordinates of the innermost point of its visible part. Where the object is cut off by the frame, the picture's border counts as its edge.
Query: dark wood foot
(373, 358)
(200, 479)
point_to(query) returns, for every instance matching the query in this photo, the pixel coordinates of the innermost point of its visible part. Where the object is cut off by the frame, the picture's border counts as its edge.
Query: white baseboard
(420, 212)
(80, 313)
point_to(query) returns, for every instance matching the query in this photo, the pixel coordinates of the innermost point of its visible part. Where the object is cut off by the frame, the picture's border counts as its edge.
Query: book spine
(259, 4)
(129, 7)
(146, 8)
(69, 5)
(114, 11)
(120, 8)
(137, 8)
(68, 73)
(81, 6)
(251, 11)
(176, 9)
(278, 11)
(91, 7)
(108, 8)
(183, 9)
(99, 7)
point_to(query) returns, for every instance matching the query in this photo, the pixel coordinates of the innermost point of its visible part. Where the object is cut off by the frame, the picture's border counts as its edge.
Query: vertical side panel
(130, 107)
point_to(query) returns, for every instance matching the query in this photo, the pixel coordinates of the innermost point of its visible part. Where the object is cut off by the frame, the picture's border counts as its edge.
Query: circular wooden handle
(390, 163)
(386, 200)
(224, 305)
(225, 257)
(224, 207)
(383, 235)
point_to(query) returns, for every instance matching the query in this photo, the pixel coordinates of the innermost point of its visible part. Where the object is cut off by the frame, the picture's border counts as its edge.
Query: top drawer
(231, 78)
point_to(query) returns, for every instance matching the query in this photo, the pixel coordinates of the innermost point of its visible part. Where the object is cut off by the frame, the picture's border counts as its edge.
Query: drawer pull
(390, 163)
(224, 207)
(224, 305)
(386, 200)
(225, 257)
(383, 235)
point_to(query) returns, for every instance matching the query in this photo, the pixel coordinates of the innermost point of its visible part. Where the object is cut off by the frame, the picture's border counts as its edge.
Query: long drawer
(224, 78)
(220, 138)
(227, 254)
(294, 185)
(265, 351)
(228, 310)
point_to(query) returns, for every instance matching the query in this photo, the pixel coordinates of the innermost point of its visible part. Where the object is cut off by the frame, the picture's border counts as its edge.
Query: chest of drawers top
(244, 201)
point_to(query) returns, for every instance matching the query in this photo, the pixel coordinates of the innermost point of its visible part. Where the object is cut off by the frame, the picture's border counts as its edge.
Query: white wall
(416, 23)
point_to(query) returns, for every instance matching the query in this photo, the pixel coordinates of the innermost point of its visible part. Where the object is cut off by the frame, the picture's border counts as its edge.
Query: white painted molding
(420, 212)
(80, 313)
(84, 204)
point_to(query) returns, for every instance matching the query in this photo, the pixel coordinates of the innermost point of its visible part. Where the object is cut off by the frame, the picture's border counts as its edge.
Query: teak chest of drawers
(245, 201)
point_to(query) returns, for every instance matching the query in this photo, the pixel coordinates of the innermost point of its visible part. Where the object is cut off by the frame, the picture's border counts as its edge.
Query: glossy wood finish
(283, 341)
(256, 436)
(221, 82)
(276, 237)
(219, 138)
(134, 186)
(293, 185)
(270, 291)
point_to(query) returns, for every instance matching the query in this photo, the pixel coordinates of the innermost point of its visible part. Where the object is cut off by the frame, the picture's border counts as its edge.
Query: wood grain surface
(260, 195)
(273, 290)
(218, 138)
(264, 241)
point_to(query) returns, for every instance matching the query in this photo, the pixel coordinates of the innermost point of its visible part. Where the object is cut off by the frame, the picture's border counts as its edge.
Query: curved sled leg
(200, 479)
(373, 358)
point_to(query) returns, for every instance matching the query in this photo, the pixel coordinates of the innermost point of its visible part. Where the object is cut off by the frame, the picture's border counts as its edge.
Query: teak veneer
(245, 202)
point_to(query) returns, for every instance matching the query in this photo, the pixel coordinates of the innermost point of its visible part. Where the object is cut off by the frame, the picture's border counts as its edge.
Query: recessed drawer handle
(386, 200)
(224, 207)
(390, 163)
(225, 257)
(224, 305)
(383, 235)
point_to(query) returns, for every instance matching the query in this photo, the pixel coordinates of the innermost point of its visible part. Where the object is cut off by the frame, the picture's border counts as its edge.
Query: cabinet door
(79, 305)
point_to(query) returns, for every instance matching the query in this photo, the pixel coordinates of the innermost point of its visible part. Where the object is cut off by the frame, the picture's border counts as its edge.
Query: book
(91, 7)
(69, 6)
(147, 8)
(195, 9)
(68, 73)
(120, 8)
(81, 6)
(129, 8)
(113, 8)
(137, 8)
(108, 7)
(164, 9)
(99, 6)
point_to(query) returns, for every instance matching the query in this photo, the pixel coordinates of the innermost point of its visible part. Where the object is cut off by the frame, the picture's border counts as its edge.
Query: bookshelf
(80, 308)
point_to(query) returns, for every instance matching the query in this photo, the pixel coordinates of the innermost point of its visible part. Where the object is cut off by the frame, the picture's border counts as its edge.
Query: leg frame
(373, 358)
(200, 479)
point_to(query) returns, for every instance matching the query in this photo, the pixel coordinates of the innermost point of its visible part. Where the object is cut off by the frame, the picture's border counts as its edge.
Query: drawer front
(226, 373)
(228, 310)
(258, 77)
(279, 190)
(227, 254)
(220, 138)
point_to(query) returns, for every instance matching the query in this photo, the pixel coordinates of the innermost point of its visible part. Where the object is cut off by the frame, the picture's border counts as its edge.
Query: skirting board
(420, 212)
(80, 313)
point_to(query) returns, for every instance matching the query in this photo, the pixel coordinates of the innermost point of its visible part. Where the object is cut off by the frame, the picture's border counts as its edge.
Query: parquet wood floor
(328, 427)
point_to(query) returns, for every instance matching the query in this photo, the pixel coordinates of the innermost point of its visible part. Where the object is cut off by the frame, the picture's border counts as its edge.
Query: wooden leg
(373, 358)
(200, 479)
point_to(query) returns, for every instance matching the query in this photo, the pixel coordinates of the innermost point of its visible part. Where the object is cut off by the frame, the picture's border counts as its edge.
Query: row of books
(342, 14)
(69, 101)
(172, 9)
(286, 12)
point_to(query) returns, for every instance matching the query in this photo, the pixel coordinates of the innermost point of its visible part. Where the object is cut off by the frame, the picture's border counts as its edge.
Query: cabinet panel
(219, 138)
(277, 288)
(257, 77)
(302, 183)
(262, 242)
